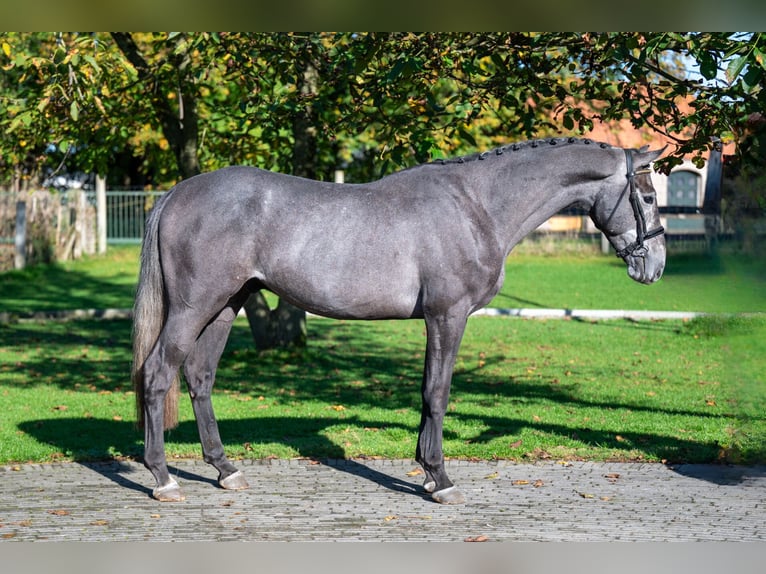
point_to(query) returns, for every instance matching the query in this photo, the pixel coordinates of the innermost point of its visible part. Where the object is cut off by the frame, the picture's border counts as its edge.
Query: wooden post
(20, 259)
(101, 213)
(339, 176)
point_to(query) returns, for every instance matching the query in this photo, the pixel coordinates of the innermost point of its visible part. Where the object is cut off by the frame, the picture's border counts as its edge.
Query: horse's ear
(646, 156)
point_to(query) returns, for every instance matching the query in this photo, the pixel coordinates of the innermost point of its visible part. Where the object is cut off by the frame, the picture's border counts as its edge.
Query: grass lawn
(523, 389)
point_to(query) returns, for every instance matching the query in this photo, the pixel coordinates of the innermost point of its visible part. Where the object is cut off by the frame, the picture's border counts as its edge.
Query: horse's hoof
(171, 492)
(449, 495)
(234, 481)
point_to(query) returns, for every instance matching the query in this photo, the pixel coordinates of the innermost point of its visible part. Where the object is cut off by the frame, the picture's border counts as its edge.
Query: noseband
(637, 248)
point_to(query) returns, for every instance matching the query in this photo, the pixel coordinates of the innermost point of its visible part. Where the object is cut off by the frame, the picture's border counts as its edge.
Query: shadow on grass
(90, 442)
(54, 288)
(357, 368)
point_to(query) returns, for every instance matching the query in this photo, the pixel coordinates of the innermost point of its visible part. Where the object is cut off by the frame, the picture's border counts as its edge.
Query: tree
(370, 103)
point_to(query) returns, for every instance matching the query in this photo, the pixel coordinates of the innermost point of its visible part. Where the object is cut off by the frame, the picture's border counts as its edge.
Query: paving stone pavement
(382, 500)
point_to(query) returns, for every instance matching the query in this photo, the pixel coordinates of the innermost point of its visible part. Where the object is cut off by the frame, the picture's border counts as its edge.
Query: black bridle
(637, 248)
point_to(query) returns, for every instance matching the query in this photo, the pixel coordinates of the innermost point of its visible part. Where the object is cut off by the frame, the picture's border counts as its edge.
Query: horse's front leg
(199, 368)
(443, 342)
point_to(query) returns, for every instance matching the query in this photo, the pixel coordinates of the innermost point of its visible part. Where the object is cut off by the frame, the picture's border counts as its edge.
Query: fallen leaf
(9, 535)
(606, 498)
(564, 462)
(520, 482)
(16, 468)
(415, 472)
(710, 403)
(59, 512)
(390, 518)
(612, 476)
(154, 516)
(586, 495)
(99, 523)
(619, 438)
(116, 418)
(538, 483)
(492, 476)
(338, 408)
(480, 538)
(516, 444)
(60, 408)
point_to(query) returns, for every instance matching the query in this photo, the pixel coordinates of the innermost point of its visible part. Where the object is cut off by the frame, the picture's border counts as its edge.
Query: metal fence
(126, 213)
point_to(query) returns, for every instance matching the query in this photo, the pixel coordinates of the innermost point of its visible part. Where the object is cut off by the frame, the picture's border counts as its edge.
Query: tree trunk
(180, 126)
(284, 326)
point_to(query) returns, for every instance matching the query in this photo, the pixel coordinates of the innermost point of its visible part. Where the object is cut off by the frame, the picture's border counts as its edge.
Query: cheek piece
(637, 248)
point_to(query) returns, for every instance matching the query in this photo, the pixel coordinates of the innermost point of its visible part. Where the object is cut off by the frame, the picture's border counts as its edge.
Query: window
(683, 189)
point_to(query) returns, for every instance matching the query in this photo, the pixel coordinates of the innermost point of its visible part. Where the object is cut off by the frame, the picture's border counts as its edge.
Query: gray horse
(429, 242)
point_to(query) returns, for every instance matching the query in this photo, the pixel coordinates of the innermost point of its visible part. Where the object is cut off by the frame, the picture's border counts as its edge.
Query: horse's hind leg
(161, 366)
(199, 368)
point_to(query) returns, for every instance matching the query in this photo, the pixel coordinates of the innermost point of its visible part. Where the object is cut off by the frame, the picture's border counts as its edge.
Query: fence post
(20, 260)
(101, 213)
(605, 245)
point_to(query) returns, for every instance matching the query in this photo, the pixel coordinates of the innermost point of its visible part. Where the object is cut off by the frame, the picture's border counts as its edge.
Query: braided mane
(510, 148)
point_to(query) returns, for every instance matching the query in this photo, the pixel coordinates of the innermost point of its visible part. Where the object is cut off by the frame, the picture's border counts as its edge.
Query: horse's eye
(649, 199)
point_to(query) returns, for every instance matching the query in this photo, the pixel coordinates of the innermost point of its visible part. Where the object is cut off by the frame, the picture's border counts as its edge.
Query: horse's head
(630, 218)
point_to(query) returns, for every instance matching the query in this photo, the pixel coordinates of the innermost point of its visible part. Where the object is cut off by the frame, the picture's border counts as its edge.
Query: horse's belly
(352, 302)
(349, 292)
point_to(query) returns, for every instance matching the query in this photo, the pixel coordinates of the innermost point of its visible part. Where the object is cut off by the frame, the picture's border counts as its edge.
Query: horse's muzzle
(645, 270)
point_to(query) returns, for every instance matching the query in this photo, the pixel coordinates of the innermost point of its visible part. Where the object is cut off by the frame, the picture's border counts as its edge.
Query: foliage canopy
(150, 108)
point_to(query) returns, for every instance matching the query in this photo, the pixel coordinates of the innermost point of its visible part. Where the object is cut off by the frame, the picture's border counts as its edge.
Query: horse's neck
(523, 199)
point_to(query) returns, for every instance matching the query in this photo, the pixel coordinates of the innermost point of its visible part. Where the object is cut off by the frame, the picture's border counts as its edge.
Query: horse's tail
(149, 316)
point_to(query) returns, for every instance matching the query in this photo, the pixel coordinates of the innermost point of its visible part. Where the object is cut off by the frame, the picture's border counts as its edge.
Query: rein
(637, 248)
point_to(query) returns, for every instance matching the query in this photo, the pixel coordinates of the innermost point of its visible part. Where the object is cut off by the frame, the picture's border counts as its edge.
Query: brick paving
(381, 500)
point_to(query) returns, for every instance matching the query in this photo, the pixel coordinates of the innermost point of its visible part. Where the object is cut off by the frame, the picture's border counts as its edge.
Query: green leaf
(568, 122)
(74, 111)
(753, 76)
(734, 68)
(708, 66)
(467, 136)
(92, 61)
